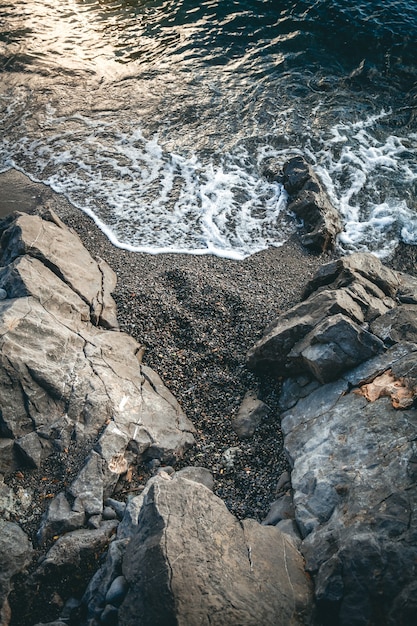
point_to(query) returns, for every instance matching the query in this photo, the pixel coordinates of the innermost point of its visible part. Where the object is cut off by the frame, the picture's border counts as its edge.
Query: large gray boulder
(192, 562)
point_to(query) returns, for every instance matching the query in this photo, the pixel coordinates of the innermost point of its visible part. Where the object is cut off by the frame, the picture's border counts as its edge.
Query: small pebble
(109, 513)
(109, 615)
(3, 294)
(117, 591)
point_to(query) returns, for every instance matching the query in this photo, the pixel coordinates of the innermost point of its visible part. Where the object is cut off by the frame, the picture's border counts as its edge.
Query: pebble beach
(197, 316)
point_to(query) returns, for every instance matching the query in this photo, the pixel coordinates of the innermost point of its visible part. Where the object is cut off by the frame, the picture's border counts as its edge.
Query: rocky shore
(202, 440)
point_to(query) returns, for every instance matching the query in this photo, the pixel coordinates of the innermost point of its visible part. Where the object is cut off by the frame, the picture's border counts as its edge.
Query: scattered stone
(199, 475)
(109, 513)
(117, 591)
(251, 412)
(118, 507)
(229, 458)
(167, 469)
(284, 482)
(60, 518)
(281, 509)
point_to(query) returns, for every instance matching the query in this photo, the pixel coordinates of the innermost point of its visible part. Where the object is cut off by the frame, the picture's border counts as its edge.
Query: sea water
(158, 118)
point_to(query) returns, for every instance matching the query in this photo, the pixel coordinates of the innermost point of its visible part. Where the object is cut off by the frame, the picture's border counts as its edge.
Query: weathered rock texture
(15, 554)
(189, 561)
(328, 333)
(67, 374)
(310, 202)
(351, 440)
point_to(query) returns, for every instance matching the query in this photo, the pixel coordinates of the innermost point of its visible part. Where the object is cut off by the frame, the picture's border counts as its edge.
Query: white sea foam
(147, 198)
(368, 180)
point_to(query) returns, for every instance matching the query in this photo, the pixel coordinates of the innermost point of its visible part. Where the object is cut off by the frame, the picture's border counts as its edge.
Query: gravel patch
(197, 316)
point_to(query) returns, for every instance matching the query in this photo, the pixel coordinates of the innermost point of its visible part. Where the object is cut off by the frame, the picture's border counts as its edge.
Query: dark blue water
(158, 118)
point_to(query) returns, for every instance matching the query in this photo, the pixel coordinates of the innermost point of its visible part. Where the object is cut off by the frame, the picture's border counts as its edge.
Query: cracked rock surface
(350, 430)
(191, 562)
(69, 378)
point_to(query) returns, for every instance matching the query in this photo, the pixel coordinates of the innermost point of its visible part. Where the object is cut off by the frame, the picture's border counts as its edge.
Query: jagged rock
(63, 378)
(360, 267)
(30, 446)
(351, 442)
(399, 324)
(15, 555)
(407, 291)
(8, 458)
(65, 568)
(355, 496)
(27, 276)
(87, 488)
(310, 202)
(187, 566)
(306, 340)
(251, 413)
(66, 376)
(335, 345)
(62, 251)
(94, 598)
(291, 327)
(60, 518)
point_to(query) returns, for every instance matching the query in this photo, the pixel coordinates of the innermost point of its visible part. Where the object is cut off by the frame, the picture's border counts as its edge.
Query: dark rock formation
(310, 202)
(328, 333)
(351, 441)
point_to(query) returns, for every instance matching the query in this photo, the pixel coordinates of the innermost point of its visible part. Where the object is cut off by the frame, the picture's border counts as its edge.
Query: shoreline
(197, 317)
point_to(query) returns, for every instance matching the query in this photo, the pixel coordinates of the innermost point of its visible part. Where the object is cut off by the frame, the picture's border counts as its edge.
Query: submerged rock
(310, 202)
